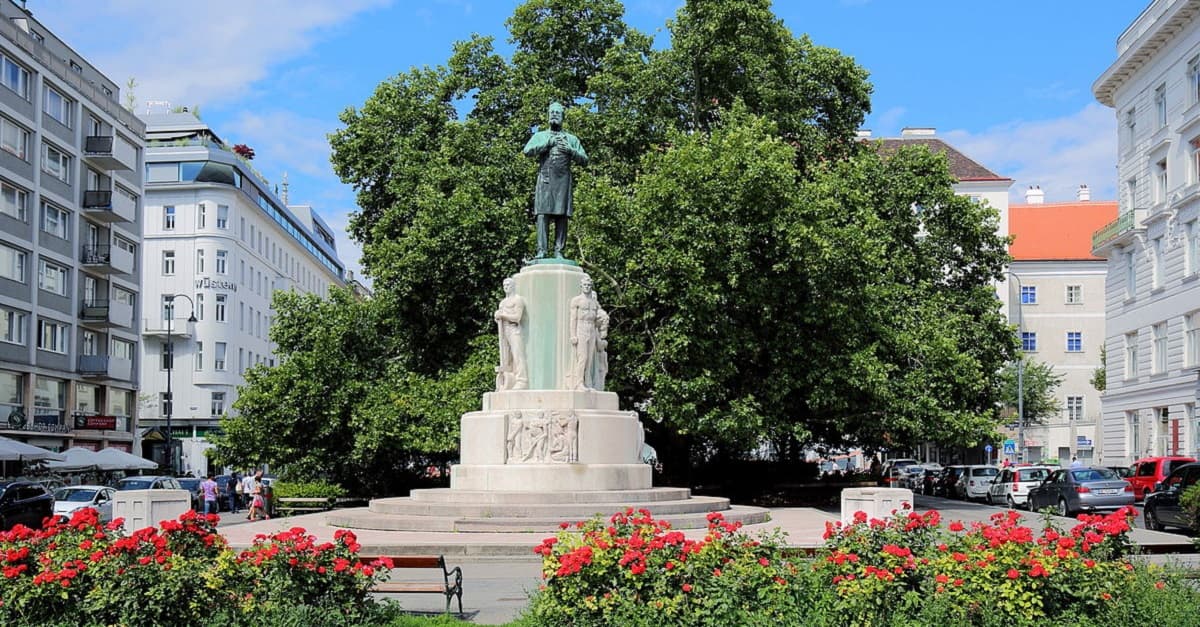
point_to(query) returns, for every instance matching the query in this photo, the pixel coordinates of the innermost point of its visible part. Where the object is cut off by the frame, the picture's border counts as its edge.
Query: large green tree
(769, 277)
(1035, 389)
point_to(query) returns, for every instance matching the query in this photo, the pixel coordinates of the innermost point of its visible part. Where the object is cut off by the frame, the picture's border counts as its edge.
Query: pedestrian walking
(209, 491)
(234, 487)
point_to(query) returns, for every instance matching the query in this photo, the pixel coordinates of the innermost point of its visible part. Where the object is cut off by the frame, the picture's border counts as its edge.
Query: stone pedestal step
(404, 506)
(622, 497)
(366, 519)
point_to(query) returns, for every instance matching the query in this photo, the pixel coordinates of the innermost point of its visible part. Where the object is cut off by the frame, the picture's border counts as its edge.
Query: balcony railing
(108, 205)
(107, 313)
(107, 259)
(105, 367)
(109, 153)
(1123, 224)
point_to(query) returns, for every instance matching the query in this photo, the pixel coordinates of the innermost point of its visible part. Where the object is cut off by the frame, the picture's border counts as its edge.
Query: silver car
(73, 498)
(1091, 488)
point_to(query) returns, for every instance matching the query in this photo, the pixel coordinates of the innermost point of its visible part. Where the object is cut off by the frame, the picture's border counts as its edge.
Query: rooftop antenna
(284, 197)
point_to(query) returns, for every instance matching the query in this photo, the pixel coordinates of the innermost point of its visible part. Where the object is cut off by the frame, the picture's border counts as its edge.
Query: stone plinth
(875, 502)
(546, 330)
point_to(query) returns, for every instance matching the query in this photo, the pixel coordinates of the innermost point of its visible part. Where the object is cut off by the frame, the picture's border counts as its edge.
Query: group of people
(242, 491)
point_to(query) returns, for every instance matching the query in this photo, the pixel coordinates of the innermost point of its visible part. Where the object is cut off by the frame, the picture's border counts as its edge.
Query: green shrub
(306, 490)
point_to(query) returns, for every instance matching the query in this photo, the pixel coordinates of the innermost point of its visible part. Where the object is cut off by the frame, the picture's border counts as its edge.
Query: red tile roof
(1057, 231)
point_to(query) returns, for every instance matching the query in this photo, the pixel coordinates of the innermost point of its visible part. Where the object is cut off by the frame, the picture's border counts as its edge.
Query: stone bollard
(146, 508)
(876, 502)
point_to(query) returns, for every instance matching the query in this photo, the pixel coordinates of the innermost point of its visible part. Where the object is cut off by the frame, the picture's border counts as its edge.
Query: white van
(1012, 486)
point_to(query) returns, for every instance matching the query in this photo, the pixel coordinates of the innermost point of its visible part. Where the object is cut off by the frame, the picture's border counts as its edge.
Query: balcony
(107, 259)
(105, 367)
(108, 206)
(180, 328)
(109, 153)
(1126, 222)
(107, 313)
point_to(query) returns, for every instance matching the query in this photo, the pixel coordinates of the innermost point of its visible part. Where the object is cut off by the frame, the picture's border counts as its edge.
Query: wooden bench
(449, 587)
(291, 505)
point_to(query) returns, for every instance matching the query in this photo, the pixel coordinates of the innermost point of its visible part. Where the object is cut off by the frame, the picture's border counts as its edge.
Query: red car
(1151, 470)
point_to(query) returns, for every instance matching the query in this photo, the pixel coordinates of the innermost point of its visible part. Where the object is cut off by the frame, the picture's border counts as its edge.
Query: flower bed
(81, 572)
(907, 570)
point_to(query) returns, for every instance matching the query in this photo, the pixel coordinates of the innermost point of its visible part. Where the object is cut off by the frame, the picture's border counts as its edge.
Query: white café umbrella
(14, 451)
(116, 459)
(77, 458)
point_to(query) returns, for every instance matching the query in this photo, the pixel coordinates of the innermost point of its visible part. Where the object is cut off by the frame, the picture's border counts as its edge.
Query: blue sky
(1008, 83)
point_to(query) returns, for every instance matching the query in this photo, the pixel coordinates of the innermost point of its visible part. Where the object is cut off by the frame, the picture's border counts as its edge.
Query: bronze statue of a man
(555, 150)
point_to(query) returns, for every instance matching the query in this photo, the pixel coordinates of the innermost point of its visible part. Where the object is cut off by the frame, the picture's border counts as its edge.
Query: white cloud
(1058, 154)
(195, 53)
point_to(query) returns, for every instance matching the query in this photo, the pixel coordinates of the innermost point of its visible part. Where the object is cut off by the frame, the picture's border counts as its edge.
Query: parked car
(71, 499)
(975, 481)
(1123, 472)
(150, 482)
(1147, 472)
(911, 477)
(24, 503)
(1162, 508)
(1011, 487)
(1091, 488)
(891, 471)
(192, 484)
(946, 481)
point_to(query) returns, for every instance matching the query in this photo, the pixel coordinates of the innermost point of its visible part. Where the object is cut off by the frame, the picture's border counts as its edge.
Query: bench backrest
(409, 561)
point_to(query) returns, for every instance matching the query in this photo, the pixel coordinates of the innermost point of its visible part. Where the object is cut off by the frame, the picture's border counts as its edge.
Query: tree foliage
(768, 276)
(1038, 390)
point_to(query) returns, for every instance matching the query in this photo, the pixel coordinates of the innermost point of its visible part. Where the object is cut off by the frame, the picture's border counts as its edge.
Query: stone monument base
(497, 510)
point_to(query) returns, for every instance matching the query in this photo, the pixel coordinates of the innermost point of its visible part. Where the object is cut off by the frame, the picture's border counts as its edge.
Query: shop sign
(86, 421)
(215, 284)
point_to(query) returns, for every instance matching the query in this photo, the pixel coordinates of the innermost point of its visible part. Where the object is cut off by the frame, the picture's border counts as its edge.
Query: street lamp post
(1020, 370)
(170, 408)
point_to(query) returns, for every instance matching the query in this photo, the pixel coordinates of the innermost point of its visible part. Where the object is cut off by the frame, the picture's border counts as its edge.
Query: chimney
(918, 131)
(1034, 195)
(1083, 194)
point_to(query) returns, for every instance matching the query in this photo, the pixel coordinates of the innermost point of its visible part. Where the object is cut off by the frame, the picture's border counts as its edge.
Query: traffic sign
(1010, 447)
(987, 448)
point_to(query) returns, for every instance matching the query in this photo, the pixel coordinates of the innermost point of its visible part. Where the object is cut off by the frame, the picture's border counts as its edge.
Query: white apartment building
(218, 243)
(1058, 305)
(1152, 300)
(70, 235)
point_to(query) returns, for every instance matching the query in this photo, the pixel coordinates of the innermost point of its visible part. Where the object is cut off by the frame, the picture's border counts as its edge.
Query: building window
(1160, 181)
(199, 306)
(222, 217)
(1159, 349)
(121, 349)
(1130, 128)
(1074, 408)
(49, 398)
(56, 163)
(52, 336)
(15, 76)
(1074, 294)
(1130, 273)
(199, 260)
(123, 296)
(14, 202)
(201, 215)
(52, 277)
(168, 308)
(1028, 294)
(1156, 268)
(1028, 341)
(222, 262)
(1191, 325)
(14, 326)
(1131, 355)
(219, 357)
(168, 262)
(1193, 247)
(1074, 342)
(220, 312)
(168, 217)
(14, 138)
(87, 344)
(1160, 105)
(12, 263)
(55, 221)
(218, 404)
(164, 404)
(57, 105)
(199, 356)
(165, 356)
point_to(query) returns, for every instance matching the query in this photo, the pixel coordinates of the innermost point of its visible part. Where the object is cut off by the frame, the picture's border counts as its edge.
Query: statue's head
(509, 285)
(585, 285)
(556, 114)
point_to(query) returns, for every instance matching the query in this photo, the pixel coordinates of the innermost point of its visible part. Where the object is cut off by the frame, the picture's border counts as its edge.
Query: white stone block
(876, 502)
(146, 508)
